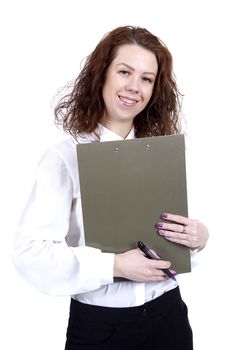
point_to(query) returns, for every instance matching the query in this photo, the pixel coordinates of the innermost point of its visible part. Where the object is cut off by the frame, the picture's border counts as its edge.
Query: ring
(184, 229)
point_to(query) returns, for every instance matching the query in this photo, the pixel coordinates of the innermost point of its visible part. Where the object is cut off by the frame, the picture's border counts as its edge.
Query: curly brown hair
(82, 109)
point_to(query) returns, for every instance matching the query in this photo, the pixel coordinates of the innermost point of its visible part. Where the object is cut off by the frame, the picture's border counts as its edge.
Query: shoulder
(60, 154)
(67, 150)
(60, 161)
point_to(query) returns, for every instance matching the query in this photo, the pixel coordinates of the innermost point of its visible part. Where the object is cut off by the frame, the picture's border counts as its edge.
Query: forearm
(56, 269)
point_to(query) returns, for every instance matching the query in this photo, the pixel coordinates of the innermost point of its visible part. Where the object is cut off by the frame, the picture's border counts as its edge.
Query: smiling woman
(128, 87)
(84, 108)
(125, 90)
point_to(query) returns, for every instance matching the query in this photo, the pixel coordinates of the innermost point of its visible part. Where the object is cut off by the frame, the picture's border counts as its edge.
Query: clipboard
(126, 186)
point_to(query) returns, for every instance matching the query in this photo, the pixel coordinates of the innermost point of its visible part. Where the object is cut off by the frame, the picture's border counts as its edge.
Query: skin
(188, 232)
(127, 89)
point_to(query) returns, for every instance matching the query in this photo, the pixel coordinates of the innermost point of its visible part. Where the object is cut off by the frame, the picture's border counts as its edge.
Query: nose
(133, 85)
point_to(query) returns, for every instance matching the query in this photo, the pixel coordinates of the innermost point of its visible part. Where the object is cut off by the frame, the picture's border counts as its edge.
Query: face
(128, 84)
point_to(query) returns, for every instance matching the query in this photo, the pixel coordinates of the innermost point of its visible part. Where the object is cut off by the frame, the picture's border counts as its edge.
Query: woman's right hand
(133, 265)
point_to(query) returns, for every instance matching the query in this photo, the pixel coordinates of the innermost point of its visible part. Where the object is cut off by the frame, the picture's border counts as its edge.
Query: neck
(121, 129)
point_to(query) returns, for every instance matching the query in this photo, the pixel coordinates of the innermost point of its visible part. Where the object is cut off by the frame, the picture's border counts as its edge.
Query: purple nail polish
(164, 215)
(162, 233)
(159, 225)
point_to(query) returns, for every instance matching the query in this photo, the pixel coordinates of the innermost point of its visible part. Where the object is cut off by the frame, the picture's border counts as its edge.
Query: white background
(42, 46)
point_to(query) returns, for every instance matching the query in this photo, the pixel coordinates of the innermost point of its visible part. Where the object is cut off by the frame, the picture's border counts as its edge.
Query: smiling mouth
(127, 101)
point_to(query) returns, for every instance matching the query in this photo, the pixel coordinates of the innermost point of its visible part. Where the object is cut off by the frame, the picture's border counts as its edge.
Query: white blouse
(50, 251)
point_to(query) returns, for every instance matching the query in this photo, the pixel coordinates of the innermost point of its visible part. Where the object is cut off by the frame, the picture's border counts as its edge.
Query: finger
(154, 273)
(176, 218)
(177, 235)
(156, 254)
(159, 264)
(157, 278)
(186, 243)
(172, 227)
(187, 240)
(179, 241)
(172, 234)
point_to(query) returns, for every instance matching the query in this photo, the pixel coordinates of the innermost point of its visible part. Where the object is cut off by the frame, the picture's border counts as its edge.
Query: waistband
(156, 307)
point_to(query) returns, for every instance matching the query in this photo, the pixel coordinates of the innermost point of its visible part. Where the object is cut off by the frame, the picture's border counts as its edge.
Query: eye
(147, 80)
(124, 72)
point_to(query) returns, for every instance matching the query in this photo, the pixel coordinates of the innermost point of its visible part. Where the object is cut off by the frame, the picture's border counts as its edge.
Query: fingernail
(159, 225)
(173, 272)
(162, 233)
(164, 215)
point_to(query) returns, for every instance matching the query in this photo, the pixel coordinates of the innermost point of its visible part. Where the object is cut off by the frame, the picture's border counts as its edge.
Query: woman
(125, 90)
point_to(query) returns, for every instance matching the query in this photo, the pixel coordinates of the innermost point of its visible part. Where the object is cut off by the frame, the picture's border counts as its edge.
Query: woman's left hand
(191, 233)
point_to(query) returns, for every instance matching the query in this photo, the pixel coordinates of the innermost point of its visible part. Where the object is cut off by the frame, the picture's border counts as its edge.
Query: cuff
(106, 266)
(95, 268)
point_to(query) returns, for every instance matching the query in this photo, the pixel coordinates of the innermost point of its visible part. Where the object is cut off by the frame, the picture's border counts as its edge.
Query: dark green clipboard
(125, 186)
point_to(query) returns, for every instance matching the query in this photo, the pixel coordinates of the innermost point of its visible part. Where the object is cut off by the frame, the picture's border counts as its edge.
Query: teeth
(128, 101)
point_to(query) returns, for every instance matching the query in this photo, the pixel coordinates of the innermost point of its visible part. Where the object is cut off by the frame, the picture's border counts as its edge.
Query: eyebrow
(125, 64)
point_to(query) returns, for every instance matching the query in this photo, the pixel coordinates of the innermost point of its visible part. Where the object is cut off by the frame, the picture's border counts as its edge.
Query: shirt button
(144, 312)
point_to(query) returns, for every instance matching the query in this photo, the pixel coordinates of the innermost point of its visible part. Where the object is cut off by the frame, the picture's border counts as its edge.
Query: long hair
(82, 109)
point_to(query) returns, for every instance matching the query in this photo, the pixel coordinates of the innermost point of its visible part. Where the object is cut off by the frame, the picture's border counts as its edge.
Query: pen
(150, 255)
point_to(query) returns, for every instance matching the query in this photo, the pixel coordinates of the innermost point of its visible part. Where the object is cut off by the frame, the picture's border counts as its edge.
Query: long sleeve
(50, 251)
(44, 253)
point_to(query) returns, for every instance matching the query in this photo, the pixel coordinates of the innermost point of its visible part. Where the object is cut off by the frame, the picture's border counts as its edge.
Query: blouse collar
(105, 134)
(109, 135)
